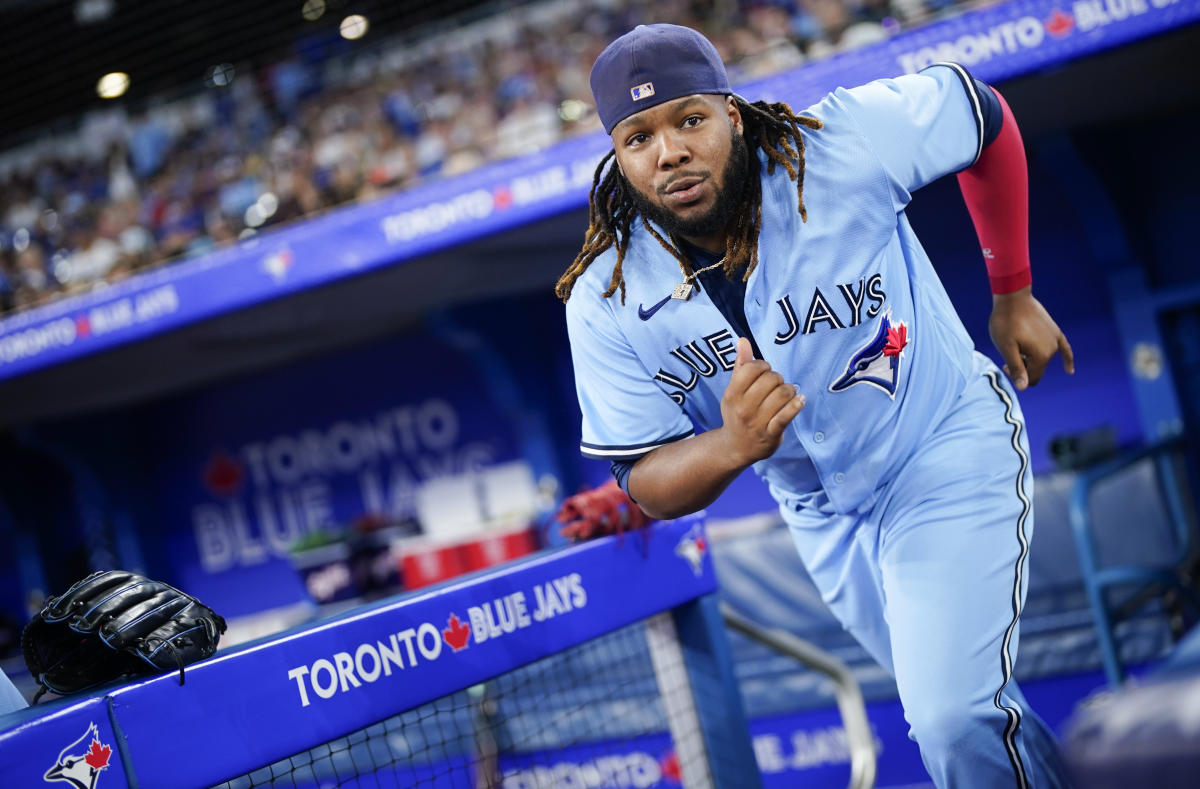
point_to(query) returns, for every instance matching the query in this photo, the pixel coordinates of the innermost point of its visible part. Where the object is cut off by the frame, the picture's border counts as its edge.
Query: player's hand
(756, 408)
(1027, 337)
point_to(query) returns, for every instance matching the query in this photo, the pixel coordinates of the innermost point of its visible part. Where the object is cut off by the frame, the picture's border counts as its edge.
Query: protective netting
(591, 716)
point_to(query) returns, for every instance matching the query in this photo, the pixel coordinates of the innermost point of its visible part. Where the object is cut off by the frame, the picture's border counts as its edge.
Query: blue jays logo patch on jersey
(878, 362)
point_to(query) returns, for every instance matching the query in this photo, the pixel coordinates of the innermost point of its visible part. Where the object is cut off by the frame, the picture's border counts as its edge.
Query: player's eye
(635, 140)
(692, 121)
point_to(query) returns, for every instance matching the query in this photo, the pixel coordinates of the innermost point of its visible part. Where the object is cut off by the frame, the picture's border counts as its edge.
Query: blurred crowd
(185, 175)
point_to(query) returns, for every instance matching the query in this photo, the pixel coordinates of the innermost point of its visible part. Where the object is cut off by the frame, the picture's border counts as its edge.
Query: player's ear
(735, 114)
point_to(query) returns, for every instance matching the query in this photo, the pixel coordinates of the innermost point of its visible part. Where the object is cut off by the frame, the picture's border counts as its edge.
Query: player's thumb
(1014, 365)
(744, 352)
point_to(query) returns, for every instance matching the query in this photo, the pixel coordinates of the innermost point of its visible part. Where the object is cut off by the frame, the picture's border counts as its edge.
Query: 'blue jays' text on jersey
(846, 305)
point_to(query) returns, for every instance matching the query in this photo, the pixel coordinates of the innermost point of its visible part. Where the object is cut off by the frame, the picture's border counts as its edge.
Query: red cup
(427, 566)
(497, 549)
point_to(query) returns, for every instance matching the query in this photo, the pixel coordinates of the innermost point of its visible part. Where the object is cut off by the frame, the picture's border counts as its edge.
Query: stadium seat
(1148, 563)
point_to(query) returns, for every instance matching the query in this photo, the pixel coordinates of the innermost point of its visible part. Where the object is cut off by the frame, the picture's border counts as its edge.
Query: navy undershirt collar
(729, 296)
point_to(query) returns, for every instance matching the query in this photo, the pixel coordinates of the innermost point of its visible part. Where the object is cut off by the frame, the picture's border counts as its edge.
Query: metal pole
(859, 737)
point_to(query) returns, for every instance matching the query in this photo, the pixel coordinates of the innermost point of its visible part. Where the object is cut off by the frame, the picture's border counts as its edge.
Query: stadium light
(220, 75)
(254, 216)
(572, 110)
(267, 204)
(312, 10)
(113, 85)
(353, 27)
(90, 12)
(261, 210)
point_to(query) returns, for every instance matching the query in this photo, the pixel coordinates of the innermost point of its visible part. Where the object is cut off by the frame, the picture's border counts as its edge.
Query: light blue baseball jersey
(846, 305)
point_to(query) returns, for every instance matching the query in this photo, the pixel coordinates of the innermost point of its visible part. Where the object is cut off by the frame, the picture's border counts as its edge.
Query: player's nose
(672, 152)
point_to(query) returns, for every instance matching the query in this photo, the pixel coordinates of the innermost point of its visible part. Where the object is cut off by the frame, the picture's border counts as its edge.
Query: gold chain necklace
(683, 291)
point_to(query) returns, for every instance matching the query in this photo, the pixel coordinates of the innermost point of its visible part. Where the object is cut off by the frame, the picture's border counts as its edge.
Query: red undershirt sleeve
(996, 190)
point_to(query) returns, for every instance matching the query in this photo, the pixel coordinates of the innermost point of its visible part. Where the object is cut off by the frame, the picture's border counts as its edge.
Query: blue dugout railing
(253, 705)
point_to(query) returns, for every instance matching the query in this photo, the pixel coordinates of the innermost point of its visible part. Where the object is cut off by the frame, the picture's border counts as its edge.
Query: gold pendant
(683, 291)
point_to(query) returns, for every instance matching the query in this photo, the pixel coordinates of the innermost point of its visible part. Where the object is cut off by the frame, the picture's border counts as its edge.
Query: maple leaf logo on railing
(223, 475)
(456, 633)
(97, 755)
(1059, 23)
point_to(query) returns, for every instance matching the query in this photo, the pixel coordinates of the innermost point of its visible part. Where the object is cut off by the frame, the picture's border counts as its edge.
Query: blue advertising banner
(634, 763)
(998, 42)
(250, 466)
(806, 748)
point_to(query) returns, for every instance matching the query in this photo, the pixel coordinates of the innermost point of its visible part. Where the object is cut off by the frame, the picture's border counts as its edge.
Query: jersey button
(839, 478)
(818, 436)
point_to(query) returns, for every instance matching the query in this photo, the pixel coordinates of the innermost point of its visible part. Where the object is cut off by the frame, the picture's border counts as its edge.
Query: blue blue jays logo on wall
(80, 764)
(692, 547)
(878, 362)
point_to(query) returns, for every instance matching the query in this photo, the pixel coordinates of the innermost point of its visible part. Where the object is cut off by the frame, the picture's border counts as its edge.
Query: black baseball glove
(113, 625)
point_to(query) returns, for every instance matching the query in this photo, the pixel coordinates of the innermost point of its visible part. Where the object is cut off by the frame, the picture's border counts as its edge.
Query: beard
(719, 214)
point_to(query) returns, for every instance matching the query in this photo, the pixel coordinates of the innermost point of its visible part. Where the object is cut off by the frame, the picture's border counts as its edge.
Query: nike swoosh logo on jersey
(647, 314)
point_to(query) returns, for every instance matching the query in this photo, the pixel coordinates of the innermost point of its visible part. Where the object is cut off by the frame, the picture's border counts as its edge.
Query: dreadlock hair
(773, 127)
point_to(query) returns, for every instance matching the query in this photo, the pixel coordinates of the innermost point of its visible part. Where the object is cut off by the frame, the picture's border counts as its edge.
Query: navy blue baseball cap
(652, 64)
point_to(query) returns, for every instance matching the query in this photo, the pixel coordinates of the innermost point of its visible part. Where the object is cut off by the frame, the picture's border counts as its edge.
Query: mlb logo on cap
(643, 91)
(662, 63)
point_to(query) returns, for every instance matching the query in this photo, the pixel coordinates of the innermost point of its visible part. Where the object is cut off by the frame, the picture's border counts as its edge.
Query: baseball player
(750, 293)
